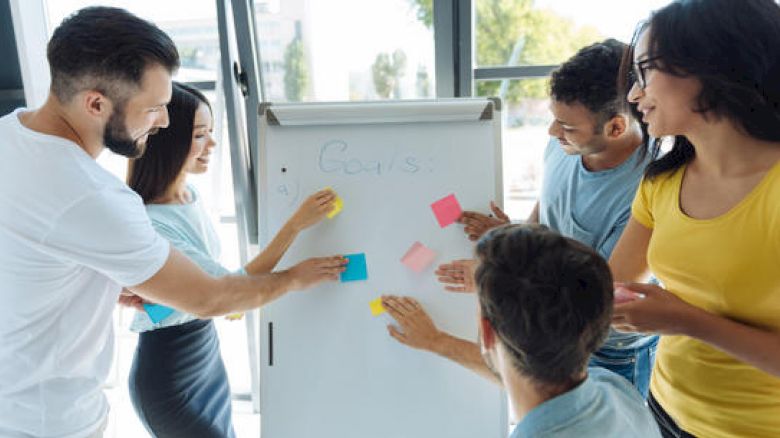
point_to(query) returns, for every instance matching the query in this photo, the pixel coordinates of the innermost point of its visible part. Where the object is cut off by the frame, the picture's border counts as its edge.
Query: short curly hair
(547, 297)
(591, 78)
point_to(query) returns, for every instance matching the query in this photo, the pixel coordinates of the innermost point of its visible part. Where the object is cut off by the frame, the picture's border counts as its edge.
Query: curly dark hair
(732, 49)
(548, 298)
(590, 78)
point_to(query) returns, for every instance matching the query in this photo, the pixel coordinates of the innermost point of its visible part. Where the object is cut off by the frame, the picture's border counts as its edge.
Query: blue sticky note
(157, 312)
(356, 268)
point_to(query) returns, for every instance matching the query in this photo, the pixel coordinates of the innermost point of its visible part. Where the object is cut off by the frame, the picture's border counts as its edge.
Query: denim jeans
(635, 364)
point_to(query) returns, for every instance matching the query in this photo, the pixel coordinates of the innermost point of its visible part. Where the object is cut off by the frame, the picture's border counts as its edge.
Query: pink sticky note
(447, 210)
(623, 295)
(418, 257)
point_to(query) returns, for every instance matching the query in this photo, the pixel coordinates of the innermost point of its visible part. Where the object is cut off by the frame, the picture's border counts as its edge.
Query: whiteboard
(328, 367)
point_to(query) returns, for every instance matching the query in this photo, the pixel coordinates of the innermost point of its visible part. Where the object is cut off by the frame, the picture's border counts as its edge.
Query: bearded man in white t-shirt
(72, 235)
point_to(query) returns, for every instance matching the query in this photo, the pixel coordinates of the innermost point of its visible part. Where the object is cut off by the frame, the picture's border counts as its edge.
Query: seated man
(545, 307)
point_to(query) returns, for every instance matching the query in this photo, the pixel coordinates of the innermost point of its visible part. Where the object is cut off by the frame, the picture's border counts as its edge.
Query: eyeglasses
(640, 69)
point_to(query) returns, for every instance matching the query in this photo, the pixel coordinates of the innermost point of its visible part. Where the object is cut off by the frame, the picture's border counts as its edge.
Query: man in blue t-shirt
(592, 167)
(545, 305)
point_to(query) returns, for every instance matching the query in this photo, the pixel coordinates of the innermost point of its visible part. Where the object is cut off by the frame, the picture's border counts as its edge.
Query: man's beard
(118, 140)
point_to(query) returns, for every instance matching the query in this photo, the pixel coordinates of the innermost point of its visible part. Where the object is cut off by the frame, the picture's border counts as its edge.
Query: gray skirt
(178, 383)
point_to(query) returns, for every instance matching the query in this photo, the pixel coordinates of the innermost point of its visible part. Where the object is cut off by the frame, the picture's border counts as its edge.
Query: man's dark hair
(547, 297)
(166, 152)
(590, 78)
(731, 47)
(107, 50)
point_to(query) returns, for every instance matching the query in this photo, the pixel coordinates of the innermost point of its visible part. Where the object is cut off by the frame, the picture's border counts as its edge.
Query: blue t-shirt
(591, 207)
(605, 405)
(188, 228)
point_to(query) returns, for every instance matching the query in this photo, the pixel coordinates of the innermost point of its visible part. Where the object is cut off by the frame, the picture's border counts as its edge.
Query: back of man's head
(547, 297)
(106, 50)
(590, 78)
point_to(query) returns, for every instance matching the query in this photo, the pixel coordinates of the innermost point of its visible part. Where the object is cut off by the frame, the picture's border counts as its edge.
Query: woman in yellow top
(706, 218)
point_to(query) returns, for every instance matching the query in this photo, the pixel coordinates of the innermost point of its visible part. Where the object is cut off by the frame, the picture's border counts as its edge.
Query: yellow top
(729, 266)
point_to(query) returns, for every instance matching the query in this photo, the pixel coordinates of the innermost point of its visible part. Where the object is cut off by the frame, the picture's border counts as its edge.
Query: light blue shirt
(605, 405)
(591, 207)
(188, 228)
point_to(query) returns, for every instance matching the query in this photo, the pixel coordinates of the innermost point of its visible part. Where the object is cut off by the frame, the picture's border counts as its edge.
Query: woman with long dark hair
(178, 383)
(706, 218)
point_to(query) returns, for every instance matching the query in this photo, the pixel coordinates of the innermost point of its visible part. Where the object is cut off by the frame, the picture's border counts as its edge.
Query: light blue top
(188, 228)
(605, 405)
(591, 207)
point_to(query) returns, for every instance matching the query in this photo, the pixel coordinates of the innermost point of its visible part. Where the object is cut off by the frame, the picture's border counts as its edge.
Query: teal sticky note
(157, 312)
(356, 268)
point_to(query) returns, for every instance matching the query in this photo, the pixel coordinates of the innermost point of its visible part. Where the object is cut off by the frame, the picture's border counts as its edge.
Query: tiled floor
(123, 422)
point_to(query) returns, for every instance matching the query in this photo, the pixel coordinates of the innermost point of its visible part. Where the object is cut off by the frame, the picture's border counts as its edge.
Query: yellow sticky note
(376, 307)
(338, 204)
(234, 316)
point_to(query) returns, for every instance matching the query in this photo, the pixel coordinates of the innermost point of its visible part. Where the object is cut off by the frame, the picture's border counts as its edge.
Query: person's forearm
(267, 260)
(465, 353)
(239, 293)
(755, 346)
(183, 285)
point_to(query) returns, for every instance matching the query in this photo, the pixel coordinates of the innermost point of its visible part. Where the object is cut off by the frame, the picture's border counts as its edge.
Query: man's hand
(477, 224)
(313, 271)
(313, 209)
(417, 328)
(458, 276)
(129, 299)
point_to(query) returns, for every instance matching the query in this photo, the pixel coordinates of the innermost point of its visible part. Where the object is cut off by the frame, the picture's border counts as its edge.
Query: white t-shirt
(71, 234)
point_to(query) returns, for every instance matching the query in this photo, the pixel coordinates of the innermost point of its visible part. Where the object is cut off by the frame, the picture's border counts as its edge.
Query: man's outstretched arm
(181, 284)
(418, 331)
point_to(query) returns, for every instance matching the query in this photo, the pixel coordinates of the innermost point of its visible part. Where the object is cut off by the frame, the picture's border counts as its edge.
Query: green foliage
(546, 38)
(387, 71)
(424, 11)
(296, 73)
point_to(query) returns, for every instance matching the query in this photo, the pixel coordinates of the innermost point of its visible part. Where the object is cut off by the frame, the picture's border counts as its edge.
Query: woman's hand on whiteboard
(458, 276)
(313, 209)
(416, 329)
(477, 224)
(311, 272)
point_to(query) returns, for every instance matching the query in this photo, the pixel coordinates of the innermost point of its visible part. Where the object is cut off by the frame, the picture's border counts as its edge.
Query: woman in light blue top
(178, 383)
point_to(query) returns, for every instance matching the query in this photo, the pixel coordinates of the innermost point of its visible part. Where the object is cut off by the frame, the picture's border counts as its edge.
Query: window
(547, 32)
(517, 44)
(526, 120)
(344, 50)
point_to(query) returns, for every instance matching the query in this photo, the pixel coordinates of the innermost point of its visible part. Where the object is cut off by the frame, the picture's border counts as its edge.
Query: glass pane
(192, 25)
(527, 117)
(345, 50)
(546, 32)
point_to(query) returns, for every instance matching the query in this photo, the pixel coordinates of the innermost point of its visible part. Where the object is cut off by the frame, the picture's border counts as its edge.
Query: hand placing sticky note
(418, 257)
(338, 204)
(356, 268)
(157, 312)
(376, 307)
(447, 210)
